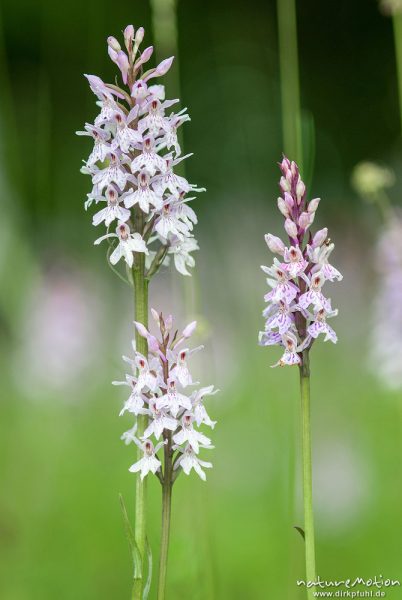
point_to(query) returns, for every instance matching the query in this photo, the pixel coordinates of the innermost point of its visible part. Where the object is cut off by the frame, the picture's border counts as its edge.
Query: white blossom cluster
(160, 387)
(132, 163)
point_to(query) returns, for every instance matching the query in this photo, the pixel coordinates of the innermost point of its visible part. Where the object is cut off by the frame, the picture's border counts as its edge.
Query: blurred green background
(65, 319)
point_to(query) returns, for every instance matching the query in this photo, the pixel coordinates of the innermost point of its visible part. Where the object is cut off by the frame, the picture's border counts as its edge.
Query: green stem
(166, 511)
(289, 73)
(397, 22)
(307, 471)
(141, 315)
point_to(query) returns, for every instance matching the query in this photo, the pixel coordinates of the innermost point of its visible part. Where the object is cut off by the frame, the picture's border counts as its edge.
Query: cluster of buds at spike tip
(132, 163)
(297, 310)
(161, 386)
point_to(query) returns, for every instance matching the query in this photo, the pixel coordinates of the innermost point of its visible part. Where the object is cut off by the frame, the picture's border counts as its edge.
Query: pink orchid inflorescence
(297, 309)
(132, 163)
(159, 386)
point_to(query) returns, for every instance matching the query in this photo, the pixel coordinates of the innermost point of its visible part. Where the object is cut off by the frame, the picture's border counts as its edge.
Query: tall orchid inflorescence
(297, 310)
(159, 387)
(297, 313)
(135, 152)
(132, 163)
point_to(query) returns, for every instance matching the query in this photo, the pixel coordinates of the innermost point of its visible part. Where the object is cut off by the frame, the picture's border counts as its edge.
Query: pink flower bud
(153, 344)
(285, 165)
(313, 205)
(155, 315)
(300, 190)
(141, 329)
(319, 238)
(139, 36)
(168, 323)
(128, 35)
(146, 55)
(164, 66)
(290, 228)
(294, 169)
(304, 220)
(113, 43)
(284, 184)
(275, 244)
(289, 200)
(189, 329)
(112, 54)
(282, 207)
(124, 65)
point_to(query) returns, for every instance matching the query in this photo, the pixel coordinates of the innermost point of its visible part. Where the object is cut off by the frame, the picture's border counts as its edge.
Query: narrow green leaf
(301, 531)
(147, 586)
(135, 554)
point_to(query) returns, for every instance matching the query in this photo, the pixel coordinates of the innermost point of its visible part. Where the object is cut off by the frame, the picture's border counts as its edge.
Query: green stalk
(293, 148)
(307, 471)
(166, 512)
(397, 23)
(289, 74)
(141, 315)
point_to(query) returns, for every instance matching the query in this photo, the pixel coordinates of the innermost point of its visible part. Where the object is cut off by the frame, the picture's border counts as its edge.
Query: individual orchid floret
(173, 400)
(160, 421)
(180, 249)
(114, 172)
(290, 356)
(297, 277)
(149, 462)
(314, 296)
(319, 325)
(188, 434)
(180, 370)
(135, 153)
(189, 460)
(113, 209)
(144, 195)
(199, 411)
(127, 244)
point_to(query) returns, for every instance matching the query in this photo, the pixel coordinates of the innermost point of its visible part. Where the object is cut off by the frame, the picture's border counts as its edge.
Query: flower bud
(319, 238)
(112, 54)
(285, 165)
(300, 190)
(289, 200)
(304, 220)
(164, 66)
(113, 43)
(128, 36)
(153, 344)
(123, 64)
(313, 205)
(294, 169)
(168, 323)
(145, 56)
(139, 36)
(283, 207)
(141, 329)
(155, 315)
(189, 329)
(290, 228)
(275, 244)
(284, 185)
